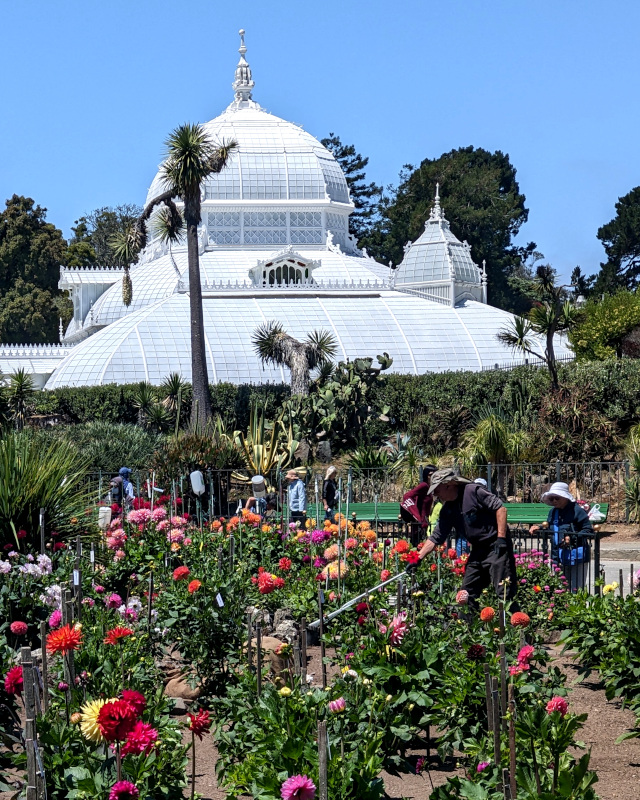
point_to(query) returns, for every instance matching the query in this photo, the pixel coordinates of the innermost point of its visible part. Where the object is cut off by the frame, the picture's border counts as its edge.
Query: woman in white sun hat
(568, 522)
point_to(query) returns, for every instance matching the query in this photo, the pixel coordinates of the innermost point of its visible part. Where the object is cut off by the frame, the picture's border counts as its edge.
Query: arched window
(285, 271)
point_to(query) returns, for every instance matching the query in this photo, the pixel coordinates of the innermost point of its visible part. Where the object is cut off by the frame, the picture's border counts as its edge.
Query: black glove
(411, 568)
(500, 546)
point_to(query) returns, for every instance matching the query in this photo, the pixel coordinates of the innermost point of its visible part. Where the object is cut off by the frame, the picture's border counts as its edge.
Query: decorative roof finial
(243, 83)
(436, 211)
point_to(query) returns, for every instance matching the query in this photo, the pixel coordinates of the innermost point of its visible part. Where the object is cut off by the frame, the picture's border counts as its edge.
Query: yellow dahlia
(89, 722)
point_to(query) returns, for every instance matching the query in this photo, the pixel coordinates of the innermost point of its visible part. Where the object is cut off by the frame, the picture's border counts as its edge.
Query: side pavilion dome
(274, 244)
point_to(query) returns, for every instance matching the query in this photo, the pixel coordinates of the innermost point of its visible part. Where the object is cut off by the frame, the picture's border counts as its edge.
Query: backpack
(116, 488)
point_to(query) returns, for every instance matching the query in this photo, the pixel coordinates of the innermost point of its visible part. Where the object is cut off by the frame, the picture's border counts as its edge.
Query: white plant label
(219, 600)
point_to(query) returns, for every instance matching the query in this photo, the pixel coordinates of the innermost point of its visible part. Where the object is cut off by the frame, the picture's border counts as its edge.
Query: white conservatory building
(274, 245)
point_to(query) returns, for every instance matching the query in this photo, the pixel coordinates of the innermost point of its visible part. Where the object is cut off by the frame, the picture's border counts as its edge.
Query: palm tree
(552, 313)
(19, 393)
(191, 158)
(275, 346)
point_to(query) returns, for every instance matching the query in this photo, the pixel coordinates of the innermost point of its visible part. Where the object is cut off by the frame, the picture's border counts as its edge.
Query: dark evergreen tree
(621, 240)
(481, 199)
(101, 226)
(365, 196)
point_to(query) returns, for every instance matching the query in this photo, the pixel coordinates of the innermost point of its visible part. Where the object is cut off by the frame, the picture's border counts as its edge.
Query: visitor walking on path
(329, 492)
(469, 509)
(297, 498)
(568, 522)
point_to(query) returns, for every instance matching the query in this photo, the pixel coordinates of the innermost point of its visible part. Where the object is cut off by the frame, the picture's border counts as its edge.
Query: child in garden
(567, 519)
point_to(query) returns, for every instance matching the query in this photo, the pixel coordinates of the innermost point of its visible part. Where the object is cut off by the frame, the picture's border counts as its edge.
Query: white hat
(557, 490)
(481, 481)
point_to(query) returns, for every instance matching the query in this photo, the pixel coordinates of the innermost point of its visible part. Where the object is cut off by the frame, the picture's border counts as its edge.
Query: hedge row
(413, 400)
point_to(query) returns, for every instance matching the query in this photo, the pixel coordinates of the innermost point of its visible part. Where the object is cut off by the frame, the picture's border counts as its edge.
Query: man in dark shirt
(470, 510)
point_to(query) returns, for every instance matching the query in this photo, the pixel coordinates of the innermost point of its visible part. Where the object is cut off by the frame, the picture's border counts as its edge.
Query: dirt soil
(614, 533)
(617, 765)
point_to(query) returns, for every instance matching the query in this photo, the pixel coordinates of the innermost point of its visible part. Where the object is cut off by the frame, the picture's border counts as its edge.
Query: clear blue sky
(89, 90)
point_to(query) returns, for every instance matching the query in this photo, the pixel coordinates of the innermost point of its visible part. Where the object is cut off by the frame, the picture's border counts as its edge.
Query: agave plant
(267, 446)
(34, 474)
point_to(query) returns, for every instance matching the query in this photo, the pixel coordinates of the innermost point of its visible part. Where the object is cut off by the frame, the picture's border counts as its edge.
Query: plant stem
(193, 764)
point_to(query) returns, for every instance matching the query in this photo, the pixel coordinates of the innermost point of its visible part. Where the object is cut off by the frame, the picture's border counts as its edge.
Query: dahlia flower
(116, 719)
(331, 553)
(89, 722)
(159, 513)
(331, 570)
(397, 628)
(318, 537)
(487, 614)
(476, 652)
(55, 619)
(385, 575)
(136, 700)
(140, 739)
(557, 704)
(5, 567)
(113, 601)
(181, 573)
(526, 653)
(13, 683)
(19, 628)
(139, 517)
(337, 706)
(401, 547)
(462, 598)
(284, 564)
(482, 766)
(117, 634)
(520, 619)
(199, 723)
(64, 640)
(124, 790)
(299, 787)
(194, 586)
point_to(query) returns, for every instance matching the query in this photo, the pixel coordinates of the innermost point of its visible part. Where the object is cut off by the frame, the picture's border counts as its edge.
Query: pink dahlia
(113, 601)
(557, 704)
(526, 653)
(13, 683)
(337, 706)
(159, 513)
(462, 598)
(398, 628)
(140, 739)
(19, 628)
(299, 787)
(124, 790)
(55, 619)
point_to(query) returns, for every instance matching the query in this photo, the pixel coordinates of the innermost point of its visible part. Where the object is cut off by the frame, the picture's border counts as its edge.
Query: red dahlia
(18, 628)
(13, 681)
(116, 635)
(136, 700)
(200, 723)
(64, 640)
(194, 586)
(116, 719)
(520, 619)
(180, 573)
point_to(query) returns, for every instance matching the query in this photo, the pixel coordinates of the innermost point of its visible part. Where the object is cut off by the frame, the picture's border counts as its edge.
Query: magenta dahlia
(124, 790)
(140, 739)
(557, 704)
(299, 787)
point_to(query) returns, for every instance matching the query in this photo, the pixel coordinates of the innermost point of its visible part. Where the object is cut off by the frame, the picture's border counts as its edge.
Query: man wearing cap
(472, 511)
(127, 487)
(566, 519)
(296, 497)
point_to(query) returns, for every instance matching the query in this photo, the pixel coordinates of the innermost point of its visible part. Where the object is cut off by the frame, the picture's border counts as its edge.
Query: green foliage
(621, 240)
(196, 448)
(106, 446)
(603, 326)
(363, 195)
(481, 199)
(93, 234)
(267, 447)
(37, 474)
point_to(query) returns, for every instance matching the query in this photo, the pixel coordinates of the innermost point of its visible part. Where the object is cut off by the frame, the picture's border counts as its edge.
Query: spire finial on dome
(243, 83)
(436, 211)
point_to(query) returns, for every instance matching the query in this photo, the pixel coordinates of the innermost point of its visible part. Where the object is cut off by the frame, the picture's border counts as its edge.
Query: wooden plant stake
(303, 651)
(232, 550)
(320, 617)
(323, 789)
(506, 785)
(399, 597)
(30, 721)
(496, 720)
(249, 635)
(512, 742)
(501, 616)
(487, 687)
(259, 659)
(621, 585)
(296, 657)
(150, 601)
(45, 671)
(42, 542)
(503, 685)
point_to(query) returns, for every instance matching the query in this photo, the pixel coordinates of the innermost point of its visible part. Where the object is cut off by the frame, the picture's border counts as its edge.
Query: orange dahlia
(64, 639)
(115, 635)
(520, 619)
(194, 585)
(487, 614)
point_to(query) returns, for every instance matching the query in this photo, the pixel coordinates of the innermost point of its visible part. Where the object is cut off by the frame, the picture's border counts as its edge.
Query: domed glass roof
(437, 255)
